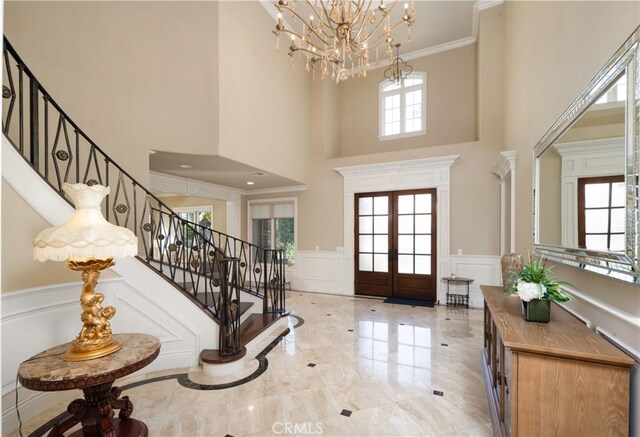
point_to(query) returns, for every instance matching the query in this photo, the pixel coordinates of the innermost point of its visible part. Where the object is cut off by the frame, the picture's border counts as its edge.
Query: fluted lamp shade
(88, 243)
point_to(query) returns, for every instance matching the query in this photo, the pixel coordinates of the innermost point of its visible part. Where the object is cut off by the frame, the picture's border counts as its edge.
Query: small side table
(457, 299)
(47, 371)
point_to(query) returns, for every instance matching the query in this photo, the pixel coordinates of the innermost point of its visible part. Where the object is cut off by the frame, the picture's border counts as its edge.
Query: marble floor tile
(380, 363)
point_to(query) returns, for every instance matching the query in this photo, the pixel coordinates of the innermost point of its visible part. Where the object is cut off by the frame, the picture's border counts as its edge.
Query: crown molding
(276, 190)
(181, 186)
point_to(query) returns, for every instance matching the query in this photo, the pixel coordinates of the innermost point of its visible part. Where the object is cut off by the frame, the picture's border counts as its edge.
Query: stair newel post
(34, 137)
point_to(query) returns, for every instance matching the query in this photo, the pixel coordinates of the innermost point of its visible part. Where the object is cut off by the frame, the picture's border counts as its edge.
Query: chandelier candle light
(339, 34)
(88, 243)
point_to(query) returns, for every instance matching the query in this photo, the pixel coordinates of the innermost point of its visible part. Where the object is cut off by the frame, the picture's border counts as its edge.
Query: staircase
(222, 275)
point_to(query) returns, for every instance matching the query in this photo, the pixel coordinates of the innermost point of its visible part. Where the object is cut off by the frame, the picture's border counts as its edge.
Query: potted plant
(537, 287)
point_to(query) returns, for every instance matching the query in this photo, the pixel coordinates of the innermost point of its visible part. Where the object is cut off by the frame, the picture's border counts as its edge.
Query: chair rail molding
(505, 170)
(395, 176)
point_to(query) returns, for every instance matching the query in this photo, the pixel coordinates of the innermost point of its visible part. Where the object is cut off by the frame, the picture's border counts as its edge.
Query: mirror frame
(616, 265)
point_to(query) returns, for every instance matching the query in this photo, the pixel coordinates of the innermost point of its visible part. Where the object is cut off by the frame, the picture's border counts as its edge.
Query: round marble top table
(47, 371)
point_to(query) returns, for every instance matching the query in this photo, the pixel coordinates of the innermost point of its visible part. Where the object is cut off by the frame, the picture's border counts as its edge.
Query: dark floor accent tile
(313, 303)
(350, 330)
(444, 344)
(447, 318)
(346, 413)
(402, 324)
(438, 393)
(373, 311)
(328, 314)
(413, 306)
(311, 365)
(228, 435)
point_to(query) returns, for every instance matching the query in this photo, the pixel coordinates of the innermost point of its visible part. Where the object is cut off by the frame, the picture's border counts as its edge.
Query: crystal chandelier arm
(364, 20)
(377, 41)
(372, 33)
(326, 14)
(286, 8)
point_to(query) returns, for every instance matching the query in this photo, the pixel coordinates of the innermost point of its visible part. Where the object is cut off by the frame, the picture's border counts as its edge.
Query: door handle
(393, 255)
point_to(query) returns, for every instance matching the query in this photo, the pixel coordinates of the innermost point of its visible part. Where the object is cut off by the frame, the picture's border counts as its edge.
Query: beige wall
(219, 208)
(552, 50)
(451, 105)
(133, 75)
(264, 108)
(20, 225)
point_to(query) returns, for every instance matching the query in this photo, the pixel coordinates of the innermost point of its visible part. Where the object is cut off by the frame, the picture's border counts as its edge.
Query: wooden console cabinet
(555, 379)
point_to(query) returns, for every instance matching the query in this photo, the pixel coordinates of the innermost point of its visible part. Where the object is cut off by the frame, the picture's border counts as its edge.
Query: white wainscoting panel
(318, 271)
(483, 269)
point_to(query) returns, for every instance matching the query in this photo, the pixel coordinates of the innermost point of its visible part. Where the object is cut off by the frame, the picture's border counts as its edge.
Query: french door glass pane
(423, 203)
(405, 243)
(381, 224)
(596, 195)
(366, 243)
(423, 244)
(366, 225)
(423, 224)
(405, 204)
(381, 263)
(381, 244)
(617, 242)
(366, 206)
(405, 224)
(597, 220)
(366, 262)
(618, 194)
(598, 242)
(617, 220)
(423, 265)
(405, 263)
(381, 205)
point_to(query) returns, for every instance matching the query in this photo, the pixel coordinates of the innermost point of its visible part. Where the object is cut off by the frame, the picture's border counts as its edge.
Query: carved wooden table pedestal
(47, 371)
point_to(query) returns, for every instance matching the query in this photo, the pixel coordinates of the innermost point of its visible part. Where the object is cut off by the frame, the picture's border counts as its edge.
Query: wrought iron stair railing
(216, 265)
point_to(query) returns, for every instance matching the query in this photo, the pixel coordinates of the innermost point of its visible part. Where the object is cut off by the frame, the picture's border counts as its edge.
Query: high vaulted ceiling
(439, 25)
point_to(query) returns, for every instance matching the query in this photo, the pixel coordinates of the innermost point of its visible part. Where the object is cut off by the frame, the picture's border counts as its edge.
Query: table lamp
(88, 243)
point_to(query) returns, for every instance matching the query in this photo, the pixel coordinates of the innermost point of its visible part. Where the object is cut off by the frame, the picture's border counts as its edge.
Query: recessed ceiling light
(250, 183)
(185, 166)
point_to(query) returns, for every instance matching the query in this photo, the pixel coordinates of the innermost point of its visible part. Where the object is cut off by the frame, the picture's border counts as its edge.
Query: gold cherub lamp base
(95, 339)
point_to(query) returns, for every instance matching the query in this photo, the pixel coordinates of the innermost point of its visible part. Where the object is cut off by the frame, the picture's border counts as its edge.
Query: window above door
(402, 108)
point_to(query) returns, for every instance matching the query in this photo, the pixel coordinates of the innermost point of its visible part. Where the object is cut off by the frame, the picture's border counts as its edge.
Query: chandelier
(398, 69)
(339, 35)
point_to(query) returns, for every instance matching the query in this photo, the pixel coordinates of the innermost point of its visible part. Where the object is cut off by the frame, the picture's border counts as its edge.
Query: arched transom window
(403, 107)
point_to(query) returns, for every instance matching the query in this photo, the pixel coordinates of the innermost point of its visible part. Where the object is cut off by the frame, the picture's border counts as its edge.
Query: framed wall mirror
(586, 174)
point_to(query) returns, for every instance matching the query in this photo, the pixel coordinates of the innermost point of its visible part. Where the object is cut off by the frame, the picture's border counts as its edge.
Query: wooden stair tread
(255, 324)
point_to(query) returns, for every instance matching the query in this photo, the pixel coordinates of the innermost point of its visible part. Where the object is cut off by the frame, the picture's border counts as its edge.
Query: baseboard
(483, 269)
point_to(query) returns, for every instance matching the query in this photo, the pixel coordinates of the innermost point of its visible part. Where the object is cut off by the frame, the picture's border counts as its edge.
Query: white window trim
(203, 208)
(293, 200)
(381, 93)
